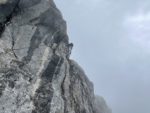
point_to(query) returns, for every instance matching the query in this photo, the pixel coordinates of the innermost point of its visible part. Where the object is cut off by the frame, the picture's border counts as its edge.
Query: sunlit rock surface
(36, 74)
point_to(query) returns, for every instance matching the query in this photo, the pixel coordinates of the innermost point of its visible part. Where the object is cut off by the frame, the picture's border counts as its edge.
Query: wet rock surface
(36, 74)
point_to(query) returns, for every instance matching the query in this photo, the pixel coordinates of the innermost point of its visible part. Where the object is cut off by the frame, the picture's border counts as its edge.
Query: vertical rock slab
(36, 74)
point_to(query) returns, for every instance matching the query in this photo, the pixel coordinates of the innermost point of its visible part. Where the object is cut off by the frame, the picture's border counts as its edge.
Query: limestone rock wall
(36, 74)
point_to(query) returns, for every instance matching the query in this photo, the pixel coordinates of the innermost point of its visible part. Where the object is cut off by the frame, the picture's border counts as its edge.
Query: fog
(112, 43)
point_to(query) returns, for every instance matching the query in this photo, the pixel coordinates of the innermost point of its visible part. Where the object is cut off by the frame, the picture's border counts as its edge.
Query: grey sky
(112, 44)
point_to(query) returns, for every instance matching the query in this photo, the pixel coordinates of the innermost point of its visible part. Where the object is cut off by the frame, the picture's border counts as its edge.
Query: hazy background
(112, 44)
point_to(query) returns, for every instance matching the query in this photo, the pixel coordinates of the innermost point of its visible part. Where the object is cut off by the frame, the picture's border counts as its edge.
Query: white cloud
(138, 27)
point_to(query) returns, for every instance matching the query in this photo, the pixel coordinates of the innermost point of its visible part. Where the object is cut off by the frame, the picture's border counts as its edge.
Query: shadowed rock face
(36, 75)
(7, 8)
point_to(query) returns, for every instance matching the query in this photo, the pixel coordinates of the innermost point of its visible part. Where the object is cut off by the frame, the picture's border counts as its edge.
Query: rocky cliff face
(36, 74)
(101, 106)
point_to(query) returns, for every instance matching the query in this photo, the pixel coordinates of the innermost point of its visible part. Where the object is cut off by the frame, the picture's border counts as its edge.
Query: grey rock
(101, 106)
(8, 9)
(36, 74)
